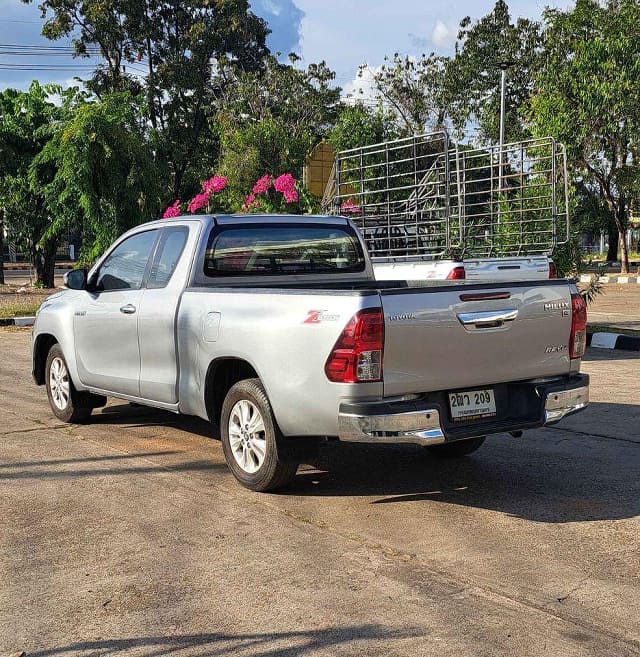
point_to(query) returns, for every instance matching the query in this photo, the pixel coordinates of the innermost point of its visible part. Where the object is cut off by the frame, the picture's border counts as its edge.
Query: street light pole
(503, 86)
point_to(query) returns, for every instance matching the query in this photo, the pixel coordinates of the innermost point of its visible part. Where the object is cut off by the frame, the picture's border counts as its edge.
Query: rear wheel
(250, 438)
(457, 448)
(66, 402)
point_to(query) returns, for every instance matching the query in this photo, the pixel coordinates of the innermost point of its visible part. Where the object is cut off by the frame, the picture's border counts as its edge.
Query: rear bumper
(426, 422)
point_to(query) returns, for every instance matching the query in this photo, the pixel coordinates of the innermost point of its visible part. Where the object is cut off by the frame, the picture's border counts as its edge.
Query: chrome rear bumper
(378, 423)
(417, 427)
(559, 404)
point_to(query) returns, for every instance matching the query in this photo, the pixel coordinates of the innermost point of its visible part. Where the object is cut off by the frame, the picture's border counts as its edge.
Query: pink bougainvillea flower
(214, 185)
(284, 183)
(349, 207)
(290, 195)
(173, 210)
(249, 202)
(263, 184)
(197, 202)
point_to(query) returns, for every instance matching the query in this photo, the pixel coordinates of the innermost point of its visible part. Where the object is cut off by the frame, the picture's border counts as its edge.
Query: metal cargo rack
(424, 197)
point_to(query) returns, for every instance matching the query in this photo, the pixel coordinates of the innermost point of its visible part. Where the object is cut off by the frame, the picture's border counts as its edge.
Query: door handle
(487, 319)
(129, 309)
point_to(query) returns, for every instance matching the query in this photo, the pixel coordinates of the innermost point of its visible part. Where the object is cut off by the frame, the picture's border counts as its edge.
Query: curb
(613, 278)
(8, 266)
(602, 340)
(17, 321)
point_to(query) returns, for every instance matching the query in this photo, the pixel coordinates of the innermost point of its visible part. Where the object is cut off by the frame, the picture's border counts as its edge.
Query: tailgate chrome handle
(486, 319)
(129, 309)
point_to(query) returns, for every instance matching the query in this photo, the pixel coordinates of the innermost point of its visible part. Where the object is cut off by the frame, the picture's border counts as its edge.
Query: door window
(124, 267)
(168, 254)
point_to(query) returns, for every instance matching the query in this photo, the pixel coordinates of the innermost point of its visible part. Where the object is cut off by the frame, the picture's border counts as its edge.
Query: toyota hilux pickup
(274, 329)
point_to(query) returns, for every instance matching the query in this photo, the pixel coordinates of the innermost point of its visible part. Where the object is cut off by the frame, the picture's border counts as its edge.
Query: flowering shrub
(214, 185)
(286, 185)
(263, 185)
(173, 210)
(263, 199)
(349, 207)
(197, 202)
(269, 194)
(201, 200)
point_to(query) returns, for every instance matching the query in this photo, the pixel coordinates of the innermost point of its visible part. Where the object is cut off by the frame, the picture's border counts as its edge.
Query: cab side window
(170, 248)
(124, 267)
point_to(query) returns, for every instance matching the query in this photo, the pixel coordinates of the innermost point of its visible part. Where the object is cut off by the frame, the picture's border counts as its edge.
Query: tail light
(578, 340)
(456, 274)
(357, 355)
(553, 270)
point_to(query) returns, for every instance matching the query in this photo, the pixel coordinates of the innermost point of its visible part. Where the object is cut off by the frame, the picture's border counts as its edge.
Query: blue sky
(344, 34)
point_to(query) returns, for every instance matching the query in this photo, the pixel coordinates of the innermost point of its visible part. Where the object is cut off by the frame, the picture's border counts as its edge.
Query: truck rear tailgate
(457, 336)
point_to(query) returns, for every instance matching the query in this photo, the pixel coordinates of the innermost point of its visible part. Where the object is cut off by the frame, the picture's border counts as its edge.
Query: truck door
(106, 322)
(157, 318)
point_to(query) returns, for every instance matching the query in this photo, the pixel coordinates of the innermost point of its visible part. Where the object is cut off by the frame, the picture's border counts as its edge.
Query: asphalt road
(128, 535)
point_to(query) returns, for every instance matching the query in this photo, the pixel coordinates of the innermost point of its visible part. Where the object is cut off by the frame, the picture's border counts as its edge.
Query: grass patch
(19, 309)
(600, 328)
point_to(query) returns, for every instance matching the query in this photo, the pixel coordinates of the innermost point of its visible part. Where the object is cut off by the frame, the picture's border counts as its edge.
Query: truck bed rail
(427, 197)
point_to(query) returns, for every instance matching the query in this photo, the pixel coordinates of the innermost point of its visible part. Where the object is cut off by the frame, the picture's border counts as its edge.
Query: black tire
(458, 448)
(66, 402)
(260, 473)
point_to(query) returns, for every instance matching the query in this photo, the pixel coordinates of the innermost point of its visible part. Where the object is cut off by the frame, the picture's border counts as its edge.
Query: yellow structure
(317, 168)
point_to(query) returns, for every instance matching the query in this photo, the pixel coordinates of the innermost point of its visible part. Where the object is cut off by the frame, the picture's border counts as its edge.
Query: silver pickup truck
(274, 329)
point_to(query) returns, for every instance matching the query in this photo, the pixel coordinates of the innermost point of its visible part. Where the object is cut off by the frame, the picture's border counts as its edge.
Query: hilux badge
(556, 305)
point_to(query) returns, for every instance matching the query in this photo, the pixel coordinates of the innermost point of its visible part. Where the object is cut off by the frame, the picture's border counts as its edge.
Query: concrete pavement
(128, 535)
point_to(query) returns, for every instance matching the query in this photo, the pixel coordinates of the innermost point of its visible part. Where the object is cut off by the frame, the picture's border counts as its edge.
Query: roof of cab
(226, 219)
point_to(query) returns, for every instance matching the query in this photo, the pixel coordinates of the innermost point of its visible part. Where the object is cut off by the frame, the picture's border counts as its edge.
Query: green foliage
(415, 92)
(97, 170)
(27, 121)
(269, 120)
(473, 74)
(587, 96)
(358, 125)
(188, 50)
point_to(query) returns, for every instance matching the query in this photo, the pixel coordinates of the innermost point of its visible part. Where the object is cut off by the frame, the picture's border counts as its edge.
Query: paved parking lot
(127, 535)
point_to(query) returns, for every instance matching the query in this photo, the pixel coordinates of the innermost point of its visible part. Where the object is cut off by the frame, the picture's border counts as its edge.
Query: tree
(359, 125)
(188, 50)
(587, 95)
(27, 121)
(414, 91)
(269, 120)
(97, 171)
(473, 75)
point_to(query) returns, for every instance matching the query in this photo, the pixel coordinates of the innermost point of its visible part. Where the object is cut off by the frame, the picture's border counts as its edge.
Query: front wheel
(457, 448)
(65, 401)
(250, 438)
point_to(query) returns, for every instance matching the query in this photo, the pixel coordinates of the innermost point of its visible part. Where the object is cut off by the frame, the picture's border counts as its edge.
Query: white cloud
(443, 35)
(362, 87)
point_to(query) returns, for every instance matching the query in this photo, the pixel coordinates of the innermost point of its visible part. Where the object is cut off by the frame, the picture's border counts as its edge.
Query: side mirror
(76, 279)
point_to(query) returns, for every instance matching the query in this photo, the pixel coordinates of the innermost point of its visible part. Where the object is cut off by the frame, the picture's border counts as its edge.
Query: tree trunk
(612, 251)
(621, 225)
(1, 249)
(624, 252)
(45, 263)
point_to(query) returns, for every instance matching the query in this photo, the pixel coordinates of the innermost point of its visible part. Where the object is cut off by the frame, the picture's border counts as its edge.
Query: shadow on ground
(273, 644)
(548, 475)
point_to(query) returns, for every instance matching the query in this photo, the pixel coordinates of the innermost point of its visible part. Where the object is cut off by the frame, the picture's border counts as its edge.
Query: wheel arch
(41, 347)
(222, 374)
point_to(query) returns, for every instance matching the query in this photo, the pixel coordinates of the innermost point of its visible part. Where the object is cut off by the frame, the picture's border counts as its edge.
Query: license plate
(472, 404)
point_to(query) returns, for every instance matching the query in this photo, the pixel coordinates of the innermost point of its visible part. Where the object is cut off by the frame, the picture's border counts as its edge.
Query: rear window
(282, 249)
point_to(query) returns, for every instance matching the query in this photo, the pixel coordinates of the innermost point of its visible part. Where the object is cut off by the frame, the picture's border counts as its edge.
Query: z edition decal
(317, 316)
